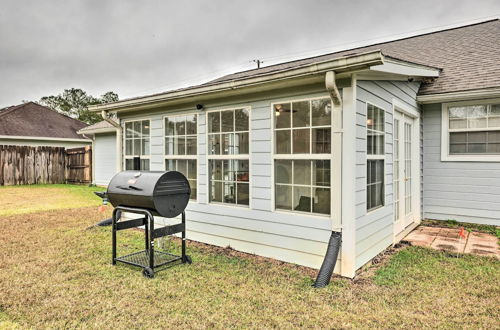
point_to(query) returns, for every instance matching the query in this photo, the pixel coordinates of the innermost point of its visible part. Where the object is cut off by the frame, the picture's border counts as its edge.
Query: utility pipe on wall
(119, 149)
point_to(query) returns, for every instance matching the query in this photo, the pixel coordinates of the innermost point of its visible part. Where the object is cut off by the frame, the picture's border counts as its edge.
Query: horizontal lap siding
(284, 236)
(374, 230)
(104, 158)
(462, 191)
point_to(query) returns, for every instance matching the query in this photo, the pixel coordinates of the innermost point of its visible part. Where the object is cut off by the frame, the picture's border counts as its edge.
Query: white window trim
(309, 156)
(230, 157)
(445, 136)
(376, 157)
(124, 137)
(187, 157)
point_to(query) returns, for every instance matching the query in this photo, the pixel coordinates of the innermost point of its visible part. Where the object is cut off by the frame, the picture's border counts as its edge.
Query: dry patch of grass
(35, 198)
(56, 273)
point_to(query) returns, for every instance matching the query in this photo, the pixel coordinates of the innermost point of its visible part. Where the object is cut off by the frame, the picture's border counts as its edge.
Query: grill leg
(146, 234)
(113, 237)
(151, 243)
(184, 238)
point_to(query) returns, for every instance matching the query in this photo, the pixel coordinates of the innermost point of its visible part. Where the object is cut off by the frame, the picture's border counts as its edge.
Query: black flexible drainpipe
(332, 252)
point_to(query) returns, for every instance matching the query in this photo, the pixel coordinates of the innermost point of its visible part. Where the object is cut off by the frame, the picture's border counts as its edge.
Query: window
(137, 145)
(375, 158)
(472, 131)
(302, 155)
(181, 147)
(228, 150)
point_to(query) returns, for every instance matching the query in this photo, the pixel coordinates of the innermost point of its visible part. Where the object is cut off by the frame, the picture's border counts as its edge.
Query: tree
(74, 102)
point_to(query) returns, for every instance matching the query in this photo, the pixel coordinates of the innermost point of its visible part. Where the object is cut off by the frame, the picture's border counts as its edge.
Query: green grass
(34, 198)
(493, 230)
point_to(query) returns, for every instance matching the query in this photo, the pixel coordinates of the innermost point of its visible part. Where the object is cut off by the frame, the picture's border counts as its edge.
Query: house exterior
(31, 124)
(365, 142)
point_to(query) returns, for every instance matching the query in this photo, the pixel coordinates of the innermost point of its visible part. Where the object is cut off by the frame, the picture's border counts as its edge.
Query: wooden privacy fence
(44, 165)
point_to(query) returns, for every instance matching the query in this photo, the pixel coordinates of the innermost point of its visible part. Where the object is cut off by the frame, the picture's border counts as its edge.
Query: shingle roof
(100, 125)
(469, 57)
(32, 119)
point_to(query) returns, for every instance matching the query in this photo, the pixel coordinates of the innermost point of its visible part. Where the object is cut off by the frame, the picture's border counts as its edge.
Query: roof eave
(97, 130)
(483, 93)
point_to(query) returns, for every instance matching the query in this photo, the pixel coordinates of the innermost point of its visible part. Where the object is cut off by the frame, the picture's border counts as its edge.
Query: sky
(137, 48)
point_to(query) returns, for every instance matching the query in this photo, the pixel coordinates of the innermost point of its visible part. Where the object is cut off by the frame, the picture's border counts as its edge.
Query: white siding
(462, 191)
(374, 230)
(104, 154)
(288, 237)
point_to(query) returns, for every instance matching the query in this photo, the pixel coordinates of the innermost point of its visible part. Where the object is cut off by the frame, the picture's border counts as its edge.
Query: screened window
(228, 150)
(474, 129)
(181, 147)
(137, 145)
(375, 139)
(302, 154)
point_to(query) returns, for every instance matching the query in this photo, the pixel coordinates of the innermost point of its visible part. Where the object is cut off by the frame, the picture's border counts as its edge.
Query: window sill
(375, 209)
(305, 214)
(470, 158)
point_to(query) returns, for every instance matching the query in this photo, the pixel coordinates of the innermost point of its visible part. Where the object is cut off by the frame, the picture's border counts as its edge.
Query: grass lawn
(35, 198)
(55, 272)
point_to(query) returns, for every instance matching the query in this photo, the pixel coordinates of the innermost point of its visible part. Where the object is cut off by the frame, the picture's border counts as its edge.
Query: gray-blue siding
(462, 191)
(375, 230)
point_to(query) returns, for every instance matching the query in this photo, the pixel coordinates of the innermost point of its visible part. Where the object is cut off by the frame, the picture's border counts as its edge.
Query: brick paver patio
(448, 239)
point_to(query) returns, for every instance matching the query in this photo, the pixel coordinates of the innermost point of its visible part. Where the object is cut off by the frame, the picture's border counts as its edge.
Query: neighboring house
(365, 142)
(31, 124)
(104, 159)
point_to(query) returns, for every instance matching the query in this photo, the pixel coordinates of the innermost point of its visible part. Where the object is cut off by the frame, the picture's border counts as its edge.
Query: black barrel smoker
(149, 193)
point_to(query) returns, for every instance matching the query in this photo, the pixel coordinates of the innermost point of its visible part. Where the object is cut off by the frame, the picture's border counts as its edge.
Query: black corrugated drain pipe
(332, 252)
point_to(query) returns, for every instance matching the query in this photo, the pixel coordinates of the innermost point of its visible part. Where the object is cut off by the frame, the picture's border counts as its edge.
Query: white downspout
(119, 148)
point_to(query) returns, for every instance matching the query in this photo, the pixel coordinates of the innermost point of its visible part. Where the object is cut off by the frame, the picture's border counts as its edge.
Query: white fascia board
(405, 69)
(42, 138)
(341, 64)
(485, 93)
(97, 130)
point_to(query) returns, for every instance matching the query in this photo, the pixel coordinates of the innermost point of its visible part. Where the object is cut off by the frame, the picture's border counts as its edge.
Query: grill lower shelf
(141, 258)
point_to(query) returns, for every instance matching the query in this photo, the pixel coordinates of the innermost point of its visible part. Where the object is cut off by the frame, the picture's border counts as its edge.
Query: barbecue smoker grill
(149, 193)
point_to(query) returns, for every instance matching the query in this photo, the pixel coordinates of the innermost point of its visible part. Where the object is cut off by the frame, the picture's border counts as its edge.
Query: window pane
(191, 164)
(457, 112)
(169, 146)
(476, 148)
(145, 128)
(190, 145)
(301, 141)
(283, 197)
(214, 122)
(229, 192)
(302, 172)
(129, 164)
(321, 173)
(495, 110)
(375, 119)
(493, 137)
(192, 184)
(182, 166)
(241, 119)
(191, 124)
(476, 111)
(227, 121)
(458, 123)
(216, 192)
(300, 114)
(477, 123)
(145, 147)
(216, 169)
(242, 194)
(145, 164)
(170, 165)
(302, 199)
(129, 130)
(477, 137)
(282, 115)
(493, 148)
(321, 200)
(321, 140)
(137, 147)
(283, 171)
(375, 183)
(169, 127)
(180, 125)
(227, 144)
(180, 145)
(229, 167)
(128, 147)
(458, 137)
(494, 122)
(136, 129)
(214, 144)
(282, 142)
(458, 148)
(321, 112)
(241, 144)
(242, 173)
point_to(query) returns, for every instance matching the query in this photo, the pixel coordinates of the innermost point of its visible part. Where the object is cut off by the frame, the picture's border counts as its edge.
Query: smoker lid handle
(129, 188)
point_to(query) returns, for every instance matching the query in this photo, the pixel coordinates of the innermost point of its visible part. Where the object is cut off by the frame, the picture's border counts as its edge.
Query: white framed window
(180, 148)
(137, 141)
(228, 150)
(471, 131)
(375, 157)
(302, 132)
